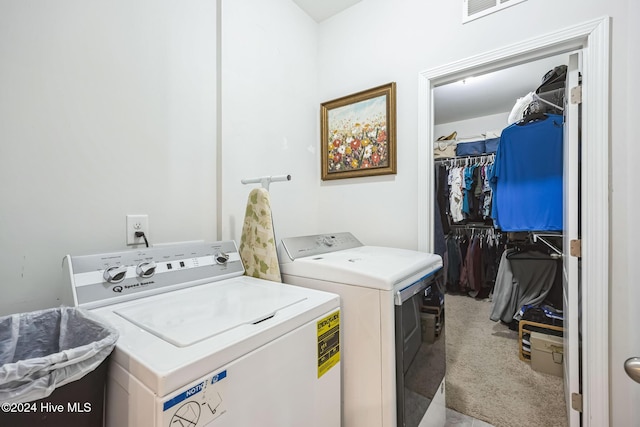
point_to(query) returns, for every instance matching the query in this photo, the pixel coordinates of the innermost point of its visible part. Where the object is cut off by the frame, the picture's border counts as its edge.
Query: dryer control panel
(103, 279)
(304, 246)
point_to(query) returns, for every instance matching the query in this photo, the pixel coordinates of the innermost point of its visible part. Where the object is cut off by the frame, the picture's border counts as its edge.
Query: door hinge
(576, 95)
(576, 248)
(576, 402)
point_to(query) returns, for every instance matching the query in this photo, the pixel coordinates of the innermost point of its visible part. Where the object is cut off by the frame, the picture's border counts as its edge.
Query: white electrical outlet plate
(137, 223)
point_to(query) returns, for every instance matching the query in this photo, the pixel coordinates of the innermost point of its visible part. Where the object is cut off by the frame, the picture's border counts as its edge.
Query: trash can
(53, 368)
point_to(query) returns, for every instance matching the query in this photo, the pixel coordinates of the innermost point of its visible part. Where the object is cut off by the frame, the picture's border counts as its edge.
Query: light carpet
(485, 377)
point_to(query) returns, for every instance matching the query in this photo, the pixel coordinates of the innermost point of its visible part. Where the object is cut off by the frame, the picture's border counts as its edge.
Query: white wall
(270, 112)
(473, 127)
(107, 108)
(625, 153)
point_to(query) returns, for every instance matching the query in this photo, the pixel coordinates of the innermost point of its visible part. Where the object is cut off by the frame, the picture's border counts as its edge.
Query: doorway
(593, 39)
(483, 328)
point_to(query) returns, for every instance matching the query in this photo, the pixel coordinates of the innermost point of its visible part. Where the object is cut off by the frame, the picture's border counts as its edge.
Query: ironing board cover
(258, 244)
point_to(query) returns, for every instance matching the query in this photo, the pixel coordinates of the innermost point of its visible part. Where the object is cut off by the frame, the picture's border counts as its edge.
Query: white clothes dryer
(202, 345)
(391, 376)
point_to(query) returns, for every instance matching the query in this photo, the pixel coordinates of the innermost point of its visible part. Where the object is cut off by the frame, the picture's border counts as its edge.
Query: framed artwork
(358, 134)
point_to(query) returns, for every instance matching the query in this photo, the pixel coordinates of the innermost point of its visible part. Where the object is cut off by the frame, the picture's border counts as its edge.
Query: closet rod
(266, 180)
(470, 226)
(487, 158)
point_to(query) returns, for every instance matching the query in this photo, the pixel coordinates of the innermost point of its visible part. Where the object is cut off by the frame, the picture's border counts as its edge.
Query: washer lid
(191, 314)
(194, 315)
(368, 266)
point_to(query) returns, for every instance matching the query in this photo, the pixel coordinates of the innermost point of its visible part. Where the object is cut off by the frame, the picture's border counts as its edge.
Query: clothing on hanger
(527, 176)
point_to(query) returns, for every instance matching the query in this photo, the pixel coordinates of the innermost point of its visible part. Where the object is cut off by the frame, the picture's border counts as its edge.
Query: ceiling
(320, 10)
(490, 93)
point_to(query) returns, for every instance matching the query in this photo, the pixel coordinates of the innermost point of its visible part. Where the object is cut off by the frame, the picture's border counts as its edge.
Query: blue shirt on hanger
(528, 176)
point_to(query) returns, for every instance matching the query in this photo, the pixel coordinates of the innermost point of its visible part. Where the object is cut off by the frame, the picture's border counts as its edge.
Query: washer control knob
(328, 240)
(146, 269)
(115, 274)
(221, 258)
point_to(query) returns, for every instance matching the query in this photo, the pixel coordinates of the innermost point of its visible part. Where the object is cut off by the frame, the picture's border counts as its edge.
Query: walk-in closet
(498, 224)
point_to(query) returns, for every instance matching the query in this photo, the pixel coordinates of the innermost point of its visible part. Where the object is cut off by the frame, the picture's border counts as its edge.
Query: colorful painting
(358, 134)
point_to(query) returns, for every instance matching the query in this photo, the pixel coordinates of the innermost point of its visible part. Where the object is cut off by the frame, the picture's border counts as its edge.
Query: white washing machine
(392, 376)
(202, 345)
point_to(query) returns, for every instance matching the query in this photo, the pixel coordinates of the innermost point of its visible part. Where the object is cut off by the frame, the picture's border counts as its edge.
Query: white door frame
(593, 38)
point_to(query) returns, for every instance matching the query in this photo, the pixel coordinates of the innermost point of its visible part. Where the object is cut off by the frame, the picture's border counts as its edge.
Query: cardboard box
(547, 353)
(428, 327)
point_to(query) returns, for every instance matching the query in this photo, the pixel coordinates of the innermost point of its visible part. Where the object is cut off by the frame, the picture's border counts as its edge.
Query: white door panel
(571, 273)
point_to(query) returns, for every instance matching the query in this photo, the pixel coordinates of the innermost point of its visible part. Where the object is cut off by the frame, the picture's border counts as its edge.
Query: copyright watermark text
(46, 407)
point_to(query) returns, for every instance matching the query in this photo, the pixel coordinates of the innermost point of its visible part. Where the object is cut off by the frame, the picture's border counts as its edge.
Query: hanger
(530, 118)
(522, 256)
(457, 162)
(521, 249)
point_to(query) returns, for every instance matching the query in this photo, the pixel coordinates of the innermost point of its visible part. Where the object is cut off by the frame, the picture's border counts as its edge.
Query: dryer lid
(196, 314)
(366, 266)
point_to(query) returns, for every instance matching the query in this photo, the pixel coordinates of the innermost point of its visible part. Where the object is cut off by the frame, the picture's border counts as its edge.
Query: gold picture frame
(358, 134)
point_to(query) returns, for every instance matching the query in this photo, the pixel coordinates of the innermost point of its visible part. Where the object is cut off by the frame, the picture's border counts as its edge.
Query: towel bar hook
(266, 180)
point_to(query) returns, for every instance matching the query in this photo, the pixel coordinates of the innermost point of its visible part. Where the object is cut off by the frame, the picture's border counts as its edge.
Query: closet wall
(473, 126)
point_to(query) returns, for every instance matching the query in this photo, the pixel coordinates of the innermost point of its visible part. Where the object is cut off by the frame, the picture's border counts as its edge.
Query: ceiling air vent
(474, 9)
